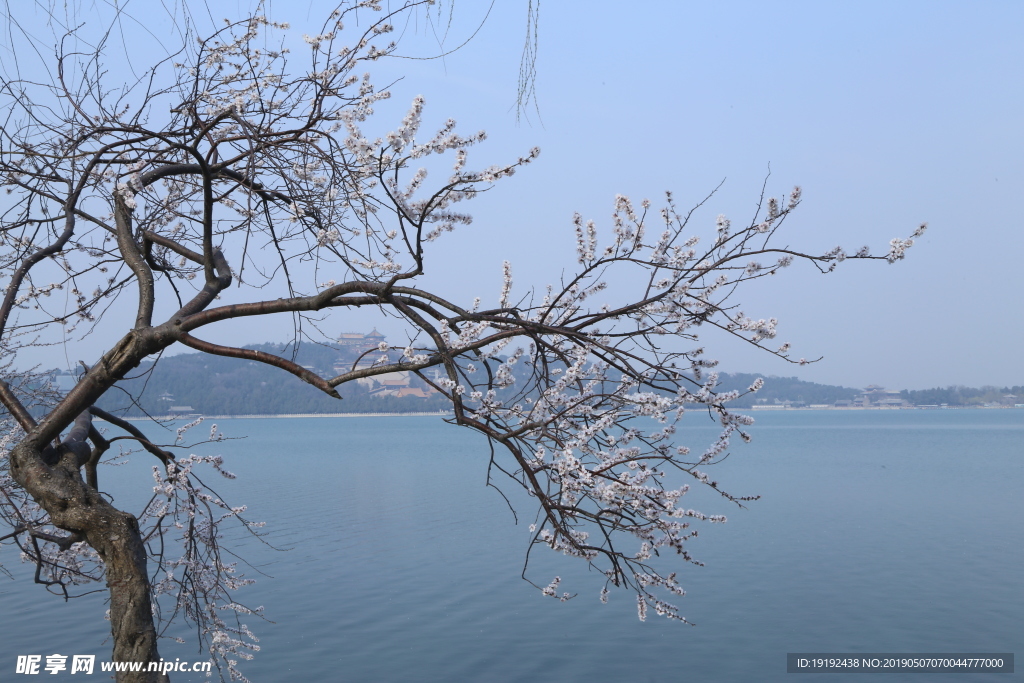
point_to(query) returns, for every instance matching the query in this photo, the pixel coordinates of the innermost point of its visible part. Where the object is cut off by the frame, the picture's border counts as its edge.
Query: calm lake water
(877, 531)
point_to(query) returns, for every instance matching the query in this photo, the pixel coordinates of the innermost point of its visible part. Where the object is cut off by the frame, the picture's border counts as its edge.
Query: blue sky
(887, 115)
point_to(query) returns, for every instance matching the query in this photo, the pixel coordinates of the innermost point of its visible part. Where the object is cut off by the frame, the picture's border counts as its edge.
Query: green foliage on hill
(783, 389)
(213, 385)
(965, 396)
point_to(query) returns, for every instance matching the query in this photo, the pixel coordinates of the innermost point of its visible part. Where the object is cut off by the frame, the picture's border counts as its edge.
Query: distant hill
(781, 389)
(214, 385)
(965, 396)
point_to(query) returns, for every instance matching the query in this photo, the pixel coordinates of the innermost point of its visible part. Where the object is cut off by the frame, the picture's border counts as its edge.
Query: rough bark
(75, 506)
(53, 478)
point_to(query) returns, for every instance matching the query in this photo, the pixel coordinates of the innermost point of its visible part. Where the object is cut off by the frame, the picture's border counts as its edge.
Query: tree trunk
(77, 507)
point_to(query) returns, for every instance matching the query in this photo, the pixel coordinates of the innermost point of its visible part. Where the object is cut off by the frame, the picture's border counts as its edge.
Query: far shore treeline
(214, 385)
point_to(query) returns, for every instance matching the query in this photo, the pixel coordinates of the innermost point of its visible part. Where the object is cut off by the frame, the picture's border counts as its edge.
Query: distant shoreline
(192, 416)
(771, 408)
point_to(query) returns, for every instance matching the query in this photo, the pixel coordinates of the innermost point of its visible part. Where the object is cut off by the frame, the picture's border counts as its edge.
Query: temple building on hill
(874, 395)
(356, 343)
(400, 384)
(353, 350)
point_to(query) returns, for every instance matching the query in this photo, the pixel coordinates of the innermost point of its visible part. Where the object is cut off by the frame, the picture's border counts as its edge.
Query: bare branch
(261, 357)
(15, 407)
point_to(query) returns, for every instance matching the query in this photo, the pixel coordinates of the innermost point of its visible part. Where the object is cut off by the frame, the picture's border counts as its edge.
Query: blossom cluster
(200, 583)
(590, 404)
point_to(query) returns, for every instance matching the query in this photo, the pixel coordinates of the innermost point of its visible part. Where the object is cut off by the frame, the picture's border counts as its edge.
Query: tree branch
(160, 453)
(15, 408)
(133, 257)
(261, 357)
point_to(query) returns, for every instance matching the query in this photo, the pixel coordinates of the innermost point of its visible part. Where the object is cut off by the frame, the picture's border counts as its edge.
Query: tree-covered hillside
(965, 396)
(784, 389)
(215, 385)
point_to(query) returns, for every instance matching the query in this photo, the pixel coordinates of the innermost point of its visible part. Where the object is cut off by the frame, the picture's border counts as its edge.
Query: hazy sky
(887, 115)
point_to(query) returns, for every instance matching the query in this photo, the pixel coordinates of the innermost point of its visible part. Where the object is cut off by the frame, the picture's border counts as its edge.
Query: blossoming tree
(226, 166)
